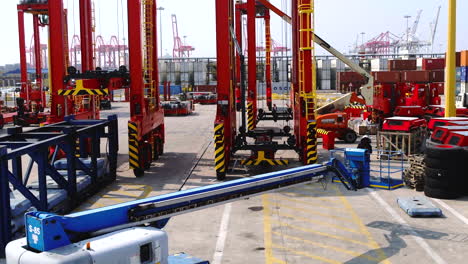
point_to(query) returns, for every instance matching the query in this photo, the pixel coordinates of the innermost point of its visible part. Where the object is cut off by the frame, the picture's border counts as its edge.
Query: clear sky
(337, 21)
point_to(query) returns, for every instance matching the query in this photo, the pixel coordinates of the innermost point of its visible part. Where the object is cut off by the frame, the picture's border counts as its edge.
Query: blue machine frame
(358, 162)
(47, 231)
(64, 137)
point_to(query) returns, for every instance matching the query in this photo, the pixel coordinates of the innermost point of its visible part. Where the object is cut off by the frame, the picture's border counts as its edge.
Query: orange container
(464, 58)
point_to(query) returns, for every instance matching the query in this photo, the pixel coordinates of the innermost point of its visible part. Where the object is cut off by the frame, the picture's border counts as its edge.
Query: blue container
(175, 89)
(462, 74)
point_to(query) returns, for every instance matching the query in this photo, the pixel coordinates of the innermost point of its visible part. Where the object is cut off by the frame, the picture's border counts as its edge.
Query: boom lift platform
(112, 234)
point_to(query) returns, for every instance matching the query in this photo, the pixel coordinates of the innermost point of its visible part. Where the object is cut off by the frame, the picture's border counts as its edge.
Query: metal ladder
(309, 96)
(148, 47)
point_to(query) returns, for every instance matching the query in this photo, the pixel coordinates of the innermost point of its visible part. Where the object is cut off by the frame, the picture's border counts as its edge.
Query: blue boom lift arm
(47, 231)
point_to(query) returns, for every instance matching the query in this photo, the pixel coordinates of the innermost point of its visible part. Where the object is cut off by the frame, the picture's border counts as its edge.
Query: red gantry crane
(231, 76)
(77, 93)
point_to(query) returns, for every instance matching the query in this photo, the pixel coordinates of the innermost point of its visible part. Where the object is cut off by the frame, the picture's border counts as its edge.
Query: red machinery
(77, 93)
(32, 99)
(403, 124)
(146, 125)
(175, 107)
(227, 138)
(338, 124)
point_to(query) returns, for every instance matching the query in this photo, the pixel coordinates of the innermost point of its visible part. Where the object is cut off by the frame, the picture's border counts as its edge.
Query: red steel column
(136, 58)
(238, 22)
(154, 56)
(252, 64)
(57, 61)
(22, 47)
(268, 59)
(225, 122)
(37, 55)
(86, 35)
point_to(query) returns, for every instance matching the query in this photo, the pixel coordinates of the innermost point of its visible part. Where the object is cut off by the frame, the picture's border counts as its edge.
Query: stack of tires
(446, 171)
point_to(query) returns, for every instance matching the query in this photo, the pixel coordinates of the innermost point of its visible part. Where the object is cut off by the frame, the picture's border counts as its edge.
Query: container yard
(125, 137)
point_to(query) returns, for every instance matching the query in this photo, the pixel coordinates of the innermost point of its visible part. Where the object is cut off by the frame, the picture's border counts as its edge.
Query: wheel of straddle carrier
(350, 136)
(220, 176)
(138, 173)
(160, 146)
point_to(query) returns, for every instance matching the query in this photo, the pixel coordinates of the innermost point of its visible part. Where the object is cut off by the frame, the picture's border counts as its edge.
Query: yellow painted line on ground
(322, 223)
(306, 254)
(275, 260)
(312, 231)
(314, 212)
(316, 244)
(267, 230)
(374, 245)
(311, 195)
(282, 197)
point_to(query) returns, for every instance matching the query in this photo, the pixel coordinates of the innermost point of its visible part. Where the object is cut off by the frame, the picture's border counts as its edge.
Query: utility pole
(160, 29)
(450, 85)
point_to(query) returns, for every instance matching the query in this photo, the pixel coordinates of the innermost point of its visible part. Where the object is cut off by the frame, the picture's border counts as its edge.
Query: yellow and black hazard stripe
(83, 91)
(133, 146)
(322, 131)
(272, 162)
(220, 159)
(250, 116)
(361, 107)
(311, 150)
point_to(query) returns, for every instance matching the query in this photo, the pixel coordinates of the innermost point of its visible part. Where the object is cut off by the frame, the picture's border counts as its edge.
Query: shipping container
(324, 64)
(402, 65)
(419, 63)
(462, 74)
(463, 87)
(205, 88)
(338, 65)
(415, 76)
(433, 64)
(175, 89)
(324, 85)
(464, 58)
(379, 64)
(323, 74)
(387, 77)
(347, 77)
(437, 76)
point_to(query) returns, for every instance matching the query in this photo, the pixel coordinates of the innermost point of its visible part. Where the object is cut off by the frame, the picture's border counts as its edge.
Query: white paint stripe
(222, 234)
(451, 210)
(430, 252)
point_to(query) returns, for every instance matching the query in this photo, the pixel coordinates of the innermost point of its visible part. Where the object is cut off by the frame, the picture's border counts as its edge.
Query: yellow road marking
(267, 230)
(320, 223)
(306, 254)
(342, 250)
(310, 211)
(275, 260)
(308, 230)
(305, 202)
(374, 245)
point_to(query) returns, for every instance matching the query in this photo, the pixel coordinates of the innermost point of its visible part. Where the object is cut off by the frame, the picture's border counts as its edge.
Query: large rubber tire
(445, 152)
(440, 163)
(350, 136)
(439, 173)
(220, 176)
(440, 193)
(445, 184)
(138, 173)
